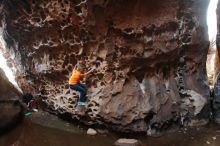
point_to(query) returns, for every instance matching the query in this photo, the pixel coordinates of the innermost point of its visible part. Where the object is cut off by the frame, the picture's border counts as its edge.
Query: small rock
(214, 138)
(91, 131)
(127, 142)
(207, 142)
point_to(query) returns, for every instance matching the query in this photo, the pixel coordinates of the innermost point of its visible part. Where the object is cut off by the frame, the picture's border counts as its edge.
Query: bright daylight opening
(4, 66)
(212, 31)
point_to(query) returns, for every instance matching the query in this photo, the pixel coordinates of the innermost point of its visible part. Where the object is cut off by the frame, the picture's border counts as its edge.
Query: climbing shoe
(80, 110)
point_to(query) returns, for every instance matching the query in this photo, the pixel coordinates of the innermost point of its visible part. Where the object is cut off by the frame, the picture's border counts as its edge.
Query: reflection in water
(32, 134)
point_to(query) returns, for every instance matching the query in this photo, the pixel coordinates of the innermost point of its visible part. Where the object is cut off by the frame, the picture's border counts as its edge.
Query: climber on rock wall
(74, 83)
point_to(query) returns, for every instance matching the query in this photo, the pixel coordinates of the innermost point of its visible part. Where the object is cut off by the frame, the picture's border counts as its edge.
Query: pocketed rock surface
(149, 57)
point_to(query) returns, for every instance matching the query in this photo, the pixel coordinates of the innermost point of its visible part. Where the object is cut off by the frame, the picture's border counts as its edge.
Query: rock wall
(216, 99)
(10, 107)
(149, 56)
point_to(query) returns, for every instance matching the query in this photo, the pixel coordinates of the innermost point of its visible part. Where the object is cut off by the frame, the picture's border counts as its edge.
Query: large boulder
(149, 55)
(10, 107)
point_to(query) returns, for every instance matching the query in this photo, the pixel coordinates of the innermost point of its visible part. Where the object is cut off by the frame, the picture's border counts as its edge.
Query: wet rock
(127, 142)
(91, 131)
(150, 73)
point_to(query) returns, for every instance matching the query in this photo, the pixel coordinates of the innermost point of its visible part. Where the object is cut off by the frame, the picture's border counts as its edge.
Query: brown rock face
(10, 108)
(149, 55)
(216, 99)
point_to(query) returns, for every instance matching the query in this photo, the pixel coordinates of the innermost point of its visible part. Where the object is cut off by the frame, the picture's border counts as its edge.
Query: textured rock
(149, 56)
(10, 107)
(216, 99)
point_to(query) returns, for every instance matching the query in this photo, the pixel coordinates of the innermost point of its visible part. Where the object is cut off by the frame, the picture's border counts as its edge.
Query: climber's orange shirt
(75, 77)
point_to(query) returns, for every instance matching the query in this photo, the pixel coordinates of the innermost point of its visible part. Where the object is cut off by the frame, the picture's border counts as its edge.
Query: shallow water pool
(48, 130)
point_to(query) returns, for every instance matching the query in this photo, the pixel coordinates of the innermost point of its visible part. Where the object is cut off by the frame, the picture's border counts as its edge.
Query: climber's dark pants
(82, 89)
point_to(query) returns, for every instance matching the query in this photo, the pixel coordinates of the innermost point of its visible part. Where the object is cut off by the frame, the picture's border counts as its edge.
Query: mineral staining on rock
(149, 56)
